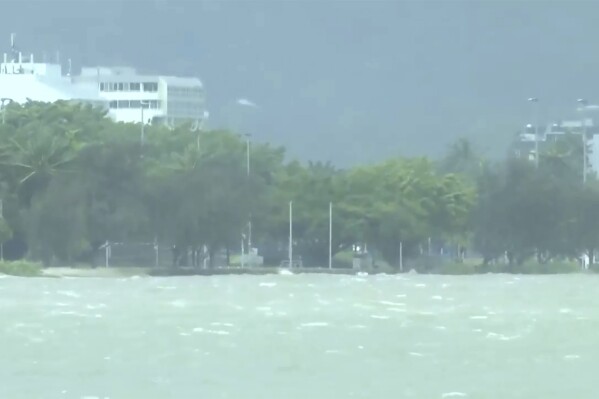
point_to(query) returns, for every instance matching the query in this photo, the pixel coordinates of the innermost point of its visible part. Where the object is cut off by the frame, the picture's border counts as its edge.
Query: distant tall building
(128, 95)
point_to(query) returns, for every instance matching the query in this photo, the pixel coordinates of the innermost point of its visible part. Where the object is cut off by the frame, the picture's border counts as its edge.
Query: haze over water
(303, 336)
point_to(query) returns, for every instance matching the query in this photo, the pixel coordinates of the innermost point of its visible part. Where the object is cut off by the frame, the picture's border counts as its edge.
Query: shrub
(555, 267)
(21, 268)
(455, 268)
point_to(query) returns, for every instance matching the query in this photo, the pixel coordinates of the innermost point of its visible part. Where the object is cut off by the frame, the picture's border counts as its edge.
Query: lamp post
(290, 250)
(143, 103)
(535, 111)
(4, 101)
(2, 217)
(247, 104)
(247, 161)
(330, 235)
(199, 126)
(583, 104)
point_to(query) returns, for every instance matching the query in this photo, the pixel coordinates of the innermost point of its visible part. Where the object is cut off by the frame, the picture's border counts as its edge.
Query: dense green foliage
(71, 179)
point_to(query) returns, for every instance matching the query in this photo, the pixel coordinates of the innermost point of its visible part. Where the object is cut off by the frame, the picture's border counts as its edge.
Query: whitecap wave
(221, 324)
(502, 337)
(178, 303)
(454, 395)
(390, 303)
(70, 294)
(314, 324)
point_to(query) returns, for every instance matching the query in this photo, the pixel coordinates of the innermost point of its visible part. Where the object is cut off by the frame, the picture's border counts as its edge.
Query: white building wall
(45, 82)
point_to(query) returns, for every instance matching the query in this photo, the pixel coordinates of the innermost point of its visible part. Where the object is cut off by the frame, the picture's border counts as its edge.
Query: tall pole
(143, 103)
(290, 233)
(401, 256)
(247, 157)
(1, 243)
(4, 101)
(584, 152)
(247, 153)
(330, 235)
(584, 102)
(142, 138)
(535, 101)
(242, 252)
(195, 127)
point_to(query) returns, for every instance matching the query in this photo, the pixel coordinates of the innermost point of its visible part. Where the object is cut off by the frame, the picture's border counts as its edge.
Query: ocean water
(300, 336)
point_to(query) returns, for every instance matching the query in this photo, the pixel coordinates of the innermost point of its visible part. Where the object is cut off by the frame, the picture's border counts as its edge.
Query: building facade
(132, 97)
(127, 95)
(585, 128)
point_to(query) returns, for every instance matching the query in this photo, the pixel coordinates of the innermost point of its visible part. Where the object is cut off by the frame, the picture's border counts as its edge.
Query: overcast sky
(346, 81)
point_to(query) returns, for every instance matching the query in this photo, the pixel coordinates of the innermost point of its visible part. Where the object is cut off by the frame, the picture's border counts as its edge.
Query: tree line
(72, 179)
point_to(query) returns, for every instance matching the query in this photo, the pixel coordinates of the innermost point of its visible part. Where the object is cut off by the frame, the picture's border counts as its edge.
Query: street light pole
(535, 106)
(290, 234)
(247, 151)
(330, 235)
(584, 103)
(247, 156)
(2, 243)
(143, 103)
(4, 101)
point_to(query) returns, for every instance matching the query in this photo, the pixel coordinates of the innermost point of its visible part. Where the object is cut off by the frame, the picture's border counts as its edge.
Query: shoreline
(129, 272)
(122, 272)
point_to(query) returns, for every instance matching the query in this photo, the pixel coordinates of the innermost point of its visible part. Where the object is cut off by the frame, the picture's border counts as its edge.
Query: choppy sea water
(300, 336)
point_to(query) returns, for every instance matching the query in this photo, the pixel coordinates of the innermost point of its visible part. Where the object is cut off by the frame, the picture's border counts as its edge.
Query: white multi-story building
(585, 128)
(131, 96)
(128, 95)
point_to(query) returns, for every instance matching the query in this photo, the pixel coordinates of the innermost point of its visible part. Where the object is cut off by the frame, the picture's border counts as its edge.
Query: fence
(135, 254)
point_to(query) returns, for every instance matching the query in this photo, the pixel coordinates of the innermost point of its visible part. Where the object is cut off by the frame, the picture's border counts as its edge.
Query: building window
(134, 104)
(123, 104)
(102, 86)
(113, 104)
(154, 104)
(150, 86)
(134, 86)
(120, 87)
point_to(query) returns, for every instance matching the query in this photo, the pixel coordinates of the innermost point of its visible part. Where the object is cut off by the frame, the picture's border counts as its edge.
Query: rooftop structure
(128, 95)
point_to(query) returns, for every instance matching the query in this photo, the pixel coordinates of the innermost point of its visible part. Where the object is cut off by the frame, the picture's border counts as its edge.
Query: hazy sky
(347, 81)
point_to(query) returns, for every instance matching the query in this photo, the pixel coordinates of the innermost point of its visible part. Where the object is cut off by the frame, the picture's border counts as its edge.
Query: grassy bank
(34, 269)
(21, 268)
(467, 268)
(98, 272)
